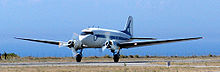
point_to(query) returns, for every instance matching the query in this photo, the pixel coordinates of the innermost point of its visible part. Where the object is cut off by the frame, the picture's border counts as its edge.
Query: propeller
(109, 43)
(67, 44)
(103, 48)
(73, 52)
(63, 44)
(70, 43)
(74, 37)
(107, 36)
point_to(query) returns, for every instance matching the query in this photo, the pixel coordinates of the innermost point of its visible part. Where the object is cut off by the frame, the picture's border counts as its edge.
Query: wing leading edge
(41, 41)
(147, 43)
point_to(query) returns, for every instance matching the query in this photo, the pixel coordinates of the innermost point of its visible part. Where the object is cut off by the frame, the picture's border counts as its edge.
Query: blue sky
(58, 19)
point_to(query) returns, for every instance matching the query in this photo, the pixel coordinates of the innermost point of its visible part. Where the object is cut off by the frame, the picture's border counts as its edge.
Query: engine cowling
(111, 44)
(74, 44)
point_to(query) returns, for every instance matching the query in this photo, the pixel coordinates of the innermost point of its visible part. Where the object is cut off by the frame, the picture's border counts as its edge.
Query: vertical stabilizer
(129, 26)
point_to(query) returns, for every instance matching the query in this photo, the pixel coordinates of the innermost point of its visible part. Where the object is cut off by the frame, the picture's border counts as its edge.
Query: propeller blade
(103, 48)
(75, 36)
(60, 44)
(107, 35)
(73, 52)
(63, 44)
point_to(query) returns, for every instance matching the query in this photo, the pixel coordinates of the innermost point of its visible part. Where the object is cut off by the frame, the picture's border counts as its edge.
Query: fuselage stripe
(112, 37)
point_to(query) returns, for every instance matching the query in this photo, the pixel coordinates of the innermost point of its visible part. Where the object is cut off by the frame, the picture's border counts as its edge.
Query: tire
(78, 58)
(116, 57)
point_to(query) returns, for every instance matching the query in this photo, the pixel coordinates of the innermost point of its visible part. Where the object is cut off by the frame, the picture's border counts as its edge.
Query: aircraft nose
(82, 37)
(85, 38)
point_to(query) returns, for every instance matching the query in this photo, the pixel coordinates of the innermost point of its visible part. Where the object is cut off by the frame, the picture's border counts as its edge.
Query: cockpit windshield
(86, 33)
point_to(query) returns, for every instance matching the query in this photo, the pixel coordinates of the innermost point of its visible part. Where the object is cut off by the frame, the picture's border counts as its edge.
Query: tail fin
(129, 26)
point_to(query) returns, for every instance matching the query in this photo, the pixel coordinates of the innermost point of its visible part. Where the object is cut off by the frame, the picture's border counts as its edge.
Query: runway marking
(130, 63)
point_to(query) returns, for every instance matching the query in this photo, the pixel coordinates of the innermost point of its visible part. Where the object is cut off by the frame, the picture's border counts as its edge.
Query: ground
(106, 69)
(183, 64)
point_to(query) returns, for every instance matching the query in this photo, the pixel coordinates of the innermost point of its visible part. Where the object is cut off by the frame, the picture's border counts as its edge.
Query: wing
(147, 43)
(144, 38)
(41, 41)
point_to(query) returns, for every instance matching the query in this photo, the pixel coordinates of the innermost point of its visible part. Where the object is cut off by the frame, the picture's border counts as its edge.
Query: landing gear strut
(79, 55)
(116, 55)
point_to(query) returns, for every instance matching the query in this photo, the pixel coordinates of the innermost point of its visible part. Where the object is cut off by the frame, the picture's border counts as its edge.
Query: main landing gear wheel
(116, 57)
(78, 58)
(79, 55)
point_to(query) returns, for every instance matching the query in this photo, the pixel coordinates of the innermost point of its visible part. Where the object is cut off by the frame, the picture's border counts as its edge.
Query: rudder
(129, 26)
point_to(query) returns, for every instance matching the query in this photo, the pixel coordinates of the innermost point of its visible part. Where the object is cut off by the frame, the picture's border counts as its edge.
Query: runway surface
(128, 63)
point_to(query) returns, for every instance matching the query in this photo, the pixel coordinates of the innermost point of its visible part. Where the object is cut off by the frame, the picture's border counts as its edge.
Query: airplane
(114, 40)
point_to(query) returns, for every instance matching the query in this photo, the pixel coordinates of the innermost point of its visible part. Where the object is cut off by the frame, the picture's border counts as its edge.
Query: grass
(124, 68)
(102, 59)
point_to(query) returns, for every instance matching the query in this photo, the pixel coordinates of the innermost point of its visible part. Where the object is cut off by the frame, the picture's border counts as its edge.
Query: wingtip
(200, 37)
(16, 37)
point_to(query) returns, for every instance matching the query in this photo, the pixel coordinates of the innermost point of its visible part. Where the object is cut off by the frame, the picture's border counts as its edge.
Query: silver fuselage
(96, 37)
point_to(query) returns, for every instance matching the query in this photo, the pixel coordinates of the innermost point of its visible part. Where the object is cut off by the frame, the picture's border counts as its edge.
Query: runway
(128, 63)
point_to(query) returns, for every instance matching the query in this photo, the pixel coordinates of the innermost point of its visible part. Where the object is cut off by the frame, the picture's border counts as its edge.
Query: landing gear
(79, 55)
(116, 55)
(78, 58)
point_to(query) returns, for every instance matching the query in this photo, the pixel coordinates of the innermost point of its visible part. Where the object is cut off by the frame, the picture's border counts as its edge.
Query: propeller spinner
(112, 44)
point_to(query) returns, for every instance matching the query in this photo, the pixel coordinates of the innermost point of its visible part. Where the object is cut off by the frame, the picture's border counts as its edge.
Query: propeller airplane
(114, 40)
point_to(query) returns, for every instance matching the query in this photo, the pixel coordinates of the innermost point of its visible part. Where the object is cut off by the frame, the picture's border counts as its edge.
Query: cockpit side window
(86, 33)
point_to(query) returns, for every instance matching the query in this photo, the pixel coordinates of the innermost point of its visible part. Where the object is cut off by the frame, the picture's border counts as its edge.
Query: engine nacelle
(74, 44)
(111, 44)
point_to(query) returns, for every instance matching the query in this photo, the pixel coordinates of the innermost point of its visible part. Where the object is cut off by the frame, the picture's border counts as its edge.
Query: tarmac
(128, 63)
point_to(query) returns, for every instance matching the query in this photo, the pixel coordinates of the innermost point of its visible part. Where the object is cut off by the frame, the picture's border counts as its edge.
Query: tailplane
(129, 26)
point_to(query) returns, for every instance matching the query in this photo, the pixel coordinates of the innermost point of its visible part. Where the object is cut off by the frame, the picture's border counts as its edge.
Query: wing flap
(147, 43)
